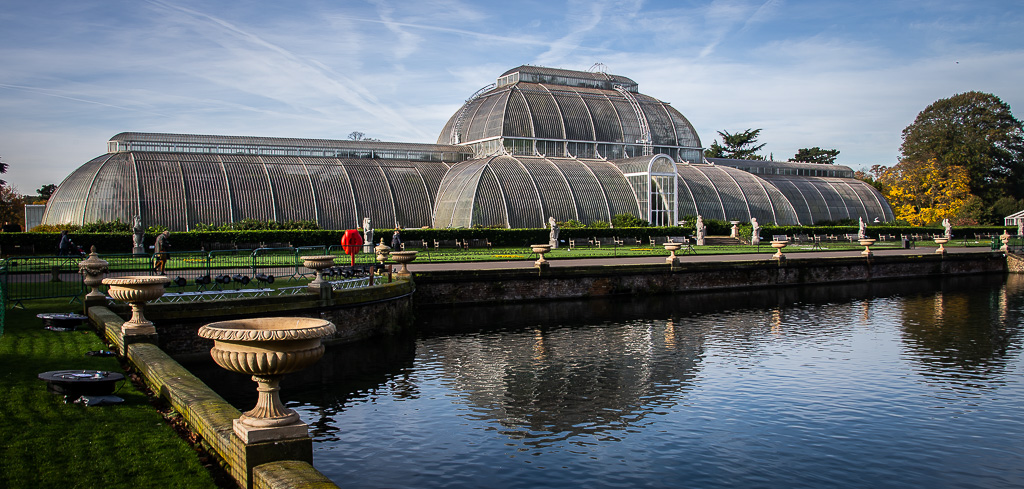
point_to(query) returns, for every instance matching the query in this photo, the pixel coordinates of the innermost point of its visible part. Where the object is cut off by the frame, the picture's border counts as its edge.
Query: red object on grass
(352, 242)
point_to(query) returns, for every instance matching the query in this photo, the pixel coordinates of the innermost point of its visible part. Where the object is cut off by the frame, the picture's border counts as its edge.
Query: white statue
(367, 236)
(138, 235)
(862, 230)
(755, 234)
(1020, 227)
(948, 227)
(701, 231)
(553, 234)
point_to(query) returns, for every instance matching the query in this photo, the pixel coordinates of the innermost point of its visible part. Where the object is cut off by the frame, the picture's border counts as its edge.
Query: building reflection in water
(963, 334)
(578, 372)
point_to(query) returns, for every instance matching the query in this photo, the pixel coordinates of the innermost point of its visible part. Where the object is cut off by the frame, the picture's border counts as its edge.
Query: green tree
(816, 155)
(3, 169)
(975, 131)
(739, 146)
(46, 191)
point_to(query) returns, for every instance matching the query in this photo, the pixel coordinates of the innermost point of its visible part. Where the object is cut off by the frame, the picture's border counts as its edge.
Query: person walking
(396, 241)
(160, 254)
(66, 245)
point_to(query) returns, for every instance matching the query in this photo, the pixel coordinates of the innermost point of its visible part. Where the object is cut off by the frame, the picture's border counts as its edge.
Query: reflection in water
(568, 384)
(880, 384)
(961, 339)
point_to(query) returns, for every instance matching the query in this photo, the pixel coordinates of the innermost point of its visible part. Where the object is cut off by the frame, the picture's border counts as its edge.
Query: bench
(417, 244)
(478, 243)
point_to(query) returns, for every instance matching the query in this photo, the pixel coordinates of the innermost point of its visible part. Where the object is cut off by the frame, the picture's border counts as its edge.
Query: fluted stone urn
(318, 263)
(672, 247)
(93, 269)
(1005, 239)
(866, 243)
(941, 242)
(267, 349)
(779, 245)
(540, 250)
(382, 251)
(136, 290)
(404, 258)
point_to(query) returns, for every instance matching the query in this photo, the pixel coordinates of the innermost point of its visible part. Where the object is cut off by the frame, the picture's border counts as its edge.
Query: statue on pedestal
(138, 234)
(367, 236)
(701, 231)
(553, 234)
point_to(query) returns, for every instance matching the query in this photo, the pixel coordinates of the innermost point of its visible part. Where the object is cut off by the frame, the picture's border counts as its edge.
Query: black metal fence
(25, 278)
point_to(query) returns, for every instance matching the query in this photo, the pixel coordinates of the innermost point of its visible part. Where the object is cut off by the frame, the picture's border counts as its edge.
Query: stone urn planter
(382, 251)
(318, 263)
(403, 258)
(267, 349)
(672, 248)
(1005, 239)
(735, 232)
(136, 290)
(941, 242)
(866, 243)
(779, 245)
(540, 250)
(93, 269)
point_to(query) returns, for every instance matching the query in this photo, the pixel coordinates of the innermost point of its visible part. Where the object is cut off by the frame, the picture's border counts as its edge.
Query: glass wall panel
(292, 192)
(556, 198)
(206, 190)
(68, 203)
(412, 203)
(250, 188)
(521, 195)
(372, 193)
(575, 116)
(606, 121)
(547, 119)
(518, 123)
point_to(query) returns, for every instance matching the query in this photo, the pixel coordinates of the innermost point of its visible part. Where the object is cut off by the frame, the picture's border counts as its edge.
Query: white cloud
(824, 74)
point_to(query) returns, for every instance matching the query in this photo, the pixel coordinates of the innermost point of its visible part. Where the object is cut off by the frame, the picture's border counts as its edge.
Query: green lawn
(45, 443)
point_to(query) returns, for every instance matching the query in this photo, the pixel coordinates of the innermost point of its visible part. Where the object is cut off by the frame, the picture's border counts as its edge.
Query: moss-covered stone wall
(512, 285)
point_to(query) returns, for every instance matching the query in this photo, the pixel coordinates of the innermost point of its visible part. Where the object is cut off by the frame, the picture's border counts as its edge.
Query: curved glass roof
(571, 106)
(818, 192)
(522, 192)
(180, 190)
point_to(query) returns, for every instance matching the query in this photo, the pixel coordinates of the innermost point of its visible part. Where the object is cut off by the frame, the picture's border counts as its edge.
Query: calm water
(903, 384)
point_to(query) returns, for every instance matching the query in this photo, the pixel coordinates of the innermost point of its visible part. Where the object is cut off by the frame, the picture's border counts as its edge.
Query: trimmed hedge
(112, 243)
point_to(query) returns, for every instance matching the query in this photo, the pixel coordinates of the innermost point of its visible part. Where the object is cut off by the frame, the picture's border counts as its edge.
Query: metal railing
(195, 275)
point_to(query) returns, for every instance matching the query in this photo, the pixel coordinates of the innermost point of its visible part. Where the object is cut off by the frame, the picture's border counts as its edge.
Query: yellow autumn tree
(926, 193)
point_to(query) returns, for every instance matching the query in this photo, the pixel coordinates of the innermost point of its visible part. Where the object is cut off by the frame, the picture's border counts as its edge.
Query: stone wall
(280, 464)
(512, 285)
(1014, 263)
(358, 314)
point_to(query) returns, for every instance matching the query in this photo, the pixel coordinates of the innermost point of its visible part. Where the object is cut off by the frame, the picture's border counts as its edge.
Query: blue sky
(835, 74)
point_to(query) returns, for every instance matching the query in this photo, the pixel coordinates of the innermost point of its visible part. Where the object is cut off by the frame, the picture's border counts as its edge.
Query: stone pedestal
(267, 349)
(136, 290)
(779, 245)
(866, 243)
(318, 263)
(540, 250)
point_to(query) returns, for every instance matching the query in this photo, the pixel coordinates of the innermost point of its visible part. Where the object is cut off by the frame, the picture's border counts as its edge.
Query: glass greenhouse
(538, 143)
